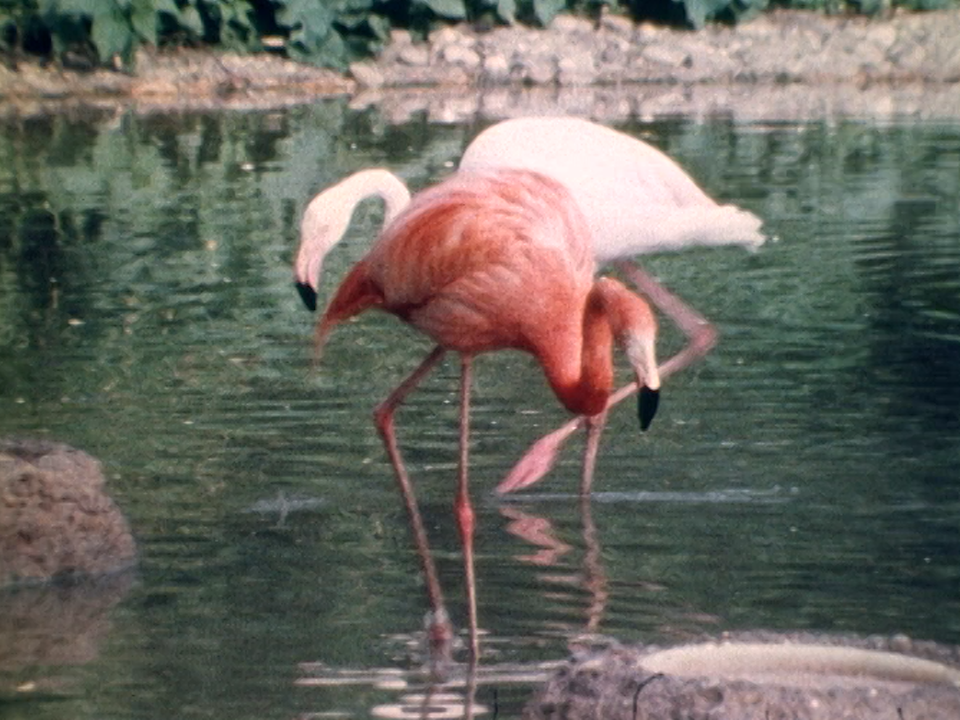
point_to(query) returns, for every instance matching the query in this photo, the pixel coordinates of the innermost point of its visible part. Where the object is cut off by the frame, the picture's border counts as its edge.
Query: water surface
(803, 476)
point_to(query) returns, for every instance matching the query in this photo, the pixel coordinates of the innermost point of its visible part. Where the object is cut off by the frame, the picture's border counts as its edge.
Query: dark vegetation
(331, 33)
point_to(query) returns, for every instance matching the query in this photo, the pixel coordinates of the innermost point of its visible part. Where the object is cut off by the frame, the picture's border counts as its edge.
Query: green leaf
(143, 19)
(364, 6)
(189, 19)
(240, 13)
(507, 11)
(379, 26)
(236, 29)
(111, 33)
(330, 52)
(309, 21)
(699, 11)
(546, 10)
(352, 20)
(450, 9)
(84, 8)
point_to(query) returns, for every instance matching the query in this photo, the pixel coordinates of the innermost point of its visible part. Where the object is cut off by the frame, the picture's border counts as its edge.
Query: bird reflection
(539, 532)
(433, 704)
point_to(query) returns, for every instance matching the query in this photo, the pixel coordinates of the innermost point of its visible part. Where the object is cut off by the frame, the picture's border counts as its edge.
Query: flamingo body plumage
(502, 260)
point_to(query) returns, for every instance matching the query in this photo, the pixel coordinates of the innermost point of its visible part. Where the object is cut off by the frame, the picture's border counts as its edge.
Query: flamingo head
(327, 216)
(641, 351)
(635, 331)
(321, 228)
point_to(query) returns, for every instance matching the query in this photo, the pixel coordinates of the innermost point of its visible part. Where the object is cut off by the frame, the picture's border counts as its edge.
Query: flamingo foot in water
(439, 642)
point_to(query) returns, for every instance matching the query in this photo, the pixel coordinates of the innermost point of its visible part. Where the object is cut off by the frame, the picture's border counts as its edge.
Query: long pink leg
(701, 337)
(595, 427)
(440, 630)
(466, 518)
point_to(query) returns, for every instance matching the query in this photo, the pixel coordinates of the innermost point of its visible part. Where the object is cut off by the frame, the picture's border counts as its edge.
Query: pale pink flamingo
(636, 199)
(485, 261)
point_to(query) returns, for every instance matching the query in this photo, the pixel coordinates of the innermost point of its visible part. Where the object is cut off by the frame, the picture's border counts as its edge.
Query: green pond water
(804, 476)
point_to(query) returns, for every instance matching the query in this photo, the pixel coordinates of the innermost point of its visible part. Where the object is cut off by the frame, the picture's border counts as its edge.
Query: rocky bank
(781, 64)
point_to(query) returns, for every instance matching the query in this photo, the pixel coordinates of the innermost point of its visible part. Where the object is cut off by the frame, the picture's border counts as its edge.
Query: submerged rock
(56, 519)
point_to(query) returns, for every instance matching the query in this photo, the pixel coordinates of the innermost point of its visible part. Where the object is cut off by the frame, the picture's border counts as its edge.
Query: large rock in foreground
(759, 676)
(56, 520)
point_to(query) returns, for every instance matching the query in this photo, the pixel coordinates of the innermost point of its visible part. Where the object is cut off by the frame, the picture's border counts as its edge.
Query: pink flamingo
(485, 261)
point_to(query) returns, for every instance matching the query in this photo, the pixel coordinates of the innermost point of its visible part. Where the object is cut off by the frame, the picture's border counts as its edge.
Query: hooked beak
(644, 359)
(308, 295)
(647, 402)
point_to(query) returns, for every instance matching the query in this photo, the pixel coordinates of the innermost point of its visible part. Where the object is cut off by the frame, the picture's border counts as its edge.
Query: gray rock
(758, 676)
(576, 69)
(780, 46)
(414, 55)
(56, 519)
(496, 69)
(367, 74)
(461, 56)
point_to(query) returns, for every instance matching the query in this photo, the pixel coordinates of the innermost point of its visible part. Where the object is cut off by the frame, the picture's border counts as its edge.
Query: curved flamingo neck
(382, 182)
(579, 363)
(327, 216)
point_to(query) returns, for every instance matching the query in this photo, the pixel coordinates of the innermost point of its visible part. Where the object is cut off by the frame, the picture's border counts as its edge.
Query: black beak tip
(308, 295)
(647, 403)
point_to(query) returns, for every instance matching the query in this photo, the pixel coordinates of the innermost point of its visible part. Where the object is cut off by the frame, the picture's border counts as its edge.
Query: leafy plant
(324, 32)
(111, 30)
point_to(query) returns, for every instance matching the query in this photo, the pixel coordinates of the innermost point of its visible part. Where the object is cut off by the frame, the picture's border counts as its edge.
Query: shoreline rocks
(779, 47)
(908, 63)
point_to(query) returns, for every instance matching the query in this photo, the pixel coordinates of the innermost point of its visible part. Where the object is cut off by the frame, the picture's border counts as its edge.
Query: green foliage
(325, 32)
(547, 10)
(698, 12)
(110, 30)
(448, 9)
(310, 33)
